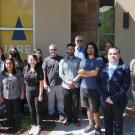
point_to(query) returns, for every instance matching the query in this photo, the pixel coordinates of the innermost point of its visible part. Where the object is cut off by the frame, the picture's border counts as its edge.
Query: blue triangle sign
(19, 34)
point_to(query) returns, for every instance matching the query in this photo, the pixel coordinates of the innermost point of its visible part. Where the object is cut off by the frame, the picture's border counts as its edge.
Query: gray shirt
(68, 70)
(51, 66)
(1, 65)
(11, 86)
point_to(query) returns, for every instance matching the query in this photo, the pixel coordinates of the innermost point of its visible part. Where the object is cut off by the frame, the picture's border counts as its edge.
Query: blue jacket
(117, 86)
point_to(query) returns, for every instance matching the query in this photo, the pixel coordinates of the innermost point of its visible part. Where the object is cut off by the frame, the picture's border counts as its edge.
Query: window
(16, 25)
(106, 23)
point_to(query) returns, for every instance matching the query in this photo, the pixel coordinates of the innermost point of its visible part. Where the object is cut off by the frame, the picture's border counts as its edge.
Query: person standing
(11, 91)
(2, 58)
(38, 53)
(79, 50)
(52, 82)
(109, 45)
(33, 78)
(89, 88)
(115, 81)
(68, 71)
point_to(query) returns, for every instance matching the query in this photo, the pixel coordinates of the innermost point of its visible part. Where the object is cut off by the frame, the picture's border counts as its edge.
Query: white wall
(125, 38)
(53, 24)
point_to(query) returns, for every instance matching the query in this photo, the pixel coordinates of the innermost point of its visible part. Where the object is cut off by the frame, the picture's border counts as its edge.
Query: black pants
(13, 112)
(71, 104)
(34, 107)
(113, 119)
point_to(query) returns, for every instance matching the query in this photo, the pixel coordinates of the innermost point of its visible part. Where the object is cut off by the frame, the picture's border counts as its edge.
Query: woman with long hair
(2, 58)
(38, 53)
(15, 55)
(11, 91)
(33, 77)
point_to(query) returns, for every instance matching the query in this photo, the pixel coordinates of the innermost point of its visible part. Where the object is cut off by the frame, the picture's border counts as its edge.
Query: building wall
(125, 38)
(53, 24)
(84, 18)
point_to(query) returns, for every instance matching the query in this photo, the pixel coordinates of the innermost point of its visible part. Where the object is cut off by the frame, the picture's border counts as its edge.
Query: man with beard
(68, 71)
(90, 99)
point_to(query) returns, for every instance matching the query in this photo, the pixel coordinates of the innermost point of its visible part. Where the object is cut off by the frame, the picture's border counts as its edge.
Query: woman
(14, 54)
(33, 77)
(11, 90)
(2, 58)
(19, 65)
(38, 53)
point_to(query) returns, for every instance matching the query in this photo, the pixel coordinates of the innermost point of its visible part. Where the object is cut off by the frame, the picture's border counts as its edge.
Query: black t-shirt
(51, 66)
(33, 78)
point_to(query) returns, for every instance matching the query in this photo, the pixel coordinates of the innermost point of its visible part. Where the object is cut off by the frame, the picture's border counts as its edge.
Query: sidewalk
(128, 129)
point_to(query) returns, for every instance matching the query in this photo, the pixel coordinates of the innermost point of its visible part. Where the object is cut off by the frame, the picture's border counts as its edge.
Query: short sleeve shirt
(11, 86)
(33, 78)
(51, 66)
(90, 83)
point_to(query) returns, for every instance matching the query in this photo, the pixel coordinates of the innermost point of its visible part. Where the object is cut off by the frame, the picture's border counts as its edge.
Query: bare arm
(90, 73)
(41, 86)
(45, 81)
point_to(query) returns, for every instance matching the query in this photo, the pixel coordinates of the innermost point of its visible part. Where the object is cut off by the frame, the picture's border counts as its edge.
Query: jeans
(34, 106)
(13, 112)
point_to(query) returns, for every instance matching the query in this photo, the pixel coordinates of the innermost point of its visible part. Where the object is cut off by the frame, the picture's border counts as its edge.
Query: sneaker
(78, 124)
(98, 131)
(32, 130)
(66, 122)
(61, 117)
(37, 130)
(89, 128)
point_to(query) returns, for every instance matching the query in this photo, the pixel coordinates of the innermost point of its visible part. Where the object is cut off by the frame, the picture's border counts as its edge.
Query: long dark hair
(2, 57)
(14, 54)
(38, 50)
(5, 69)
(95, 48)
(28, 65)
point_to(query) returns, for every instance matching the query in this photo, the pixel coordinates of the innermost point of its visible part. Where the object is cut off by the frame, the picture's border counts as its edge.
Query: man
(89, 87)
(115, 81)
(79, 50)
(68, 71)
(52, 82)
(108, 45)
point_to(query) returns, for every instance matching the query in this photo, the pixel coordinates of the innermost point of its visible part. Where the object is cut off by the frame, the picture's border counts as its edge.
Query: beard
(70, 54)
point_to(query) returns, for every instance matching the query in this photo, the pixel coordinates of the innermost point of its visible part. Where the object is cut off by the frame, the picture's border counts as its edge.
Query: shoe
(98, 131)
(32, 130)
(18, 132)
(61, 117)
(78, 124)
(89, 128)
(66, 123)
(37, 130)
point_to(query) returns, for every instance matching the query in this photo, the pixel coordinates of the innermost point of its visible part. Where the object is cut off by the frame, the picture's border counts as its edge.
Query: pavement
(58, 128)
(128, 129)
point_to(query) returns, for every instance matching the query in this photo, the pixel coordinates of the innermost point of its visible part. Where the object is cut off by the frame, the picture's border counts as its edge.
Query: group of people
(82, 78)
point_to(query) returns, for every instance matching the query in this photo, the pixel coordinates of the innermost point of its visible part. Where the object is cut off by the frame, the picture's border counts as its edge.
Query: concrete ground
(129, 125)
(58, 128)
